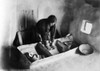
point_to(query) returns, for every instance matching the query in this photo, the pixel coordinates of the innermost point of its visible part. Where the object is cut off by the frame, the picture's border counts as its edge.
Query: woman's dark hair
(52, 18)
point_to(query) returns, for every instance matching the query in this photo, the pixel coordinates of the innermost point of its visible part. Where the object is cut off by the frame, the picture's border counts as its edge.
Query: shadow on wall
(92, 16)
(94, 3)
(27, 21)
(27, 32)
(71, 6)
(12, 57)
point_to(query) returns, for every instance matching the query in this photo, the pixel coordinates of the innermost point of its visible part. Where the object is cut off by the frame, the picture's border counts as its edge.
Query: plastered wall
(15, 9)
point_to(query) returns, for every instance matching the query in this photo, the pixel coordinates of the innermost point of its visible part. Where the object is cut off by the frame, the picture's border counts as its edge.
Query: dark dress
(46, 31)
